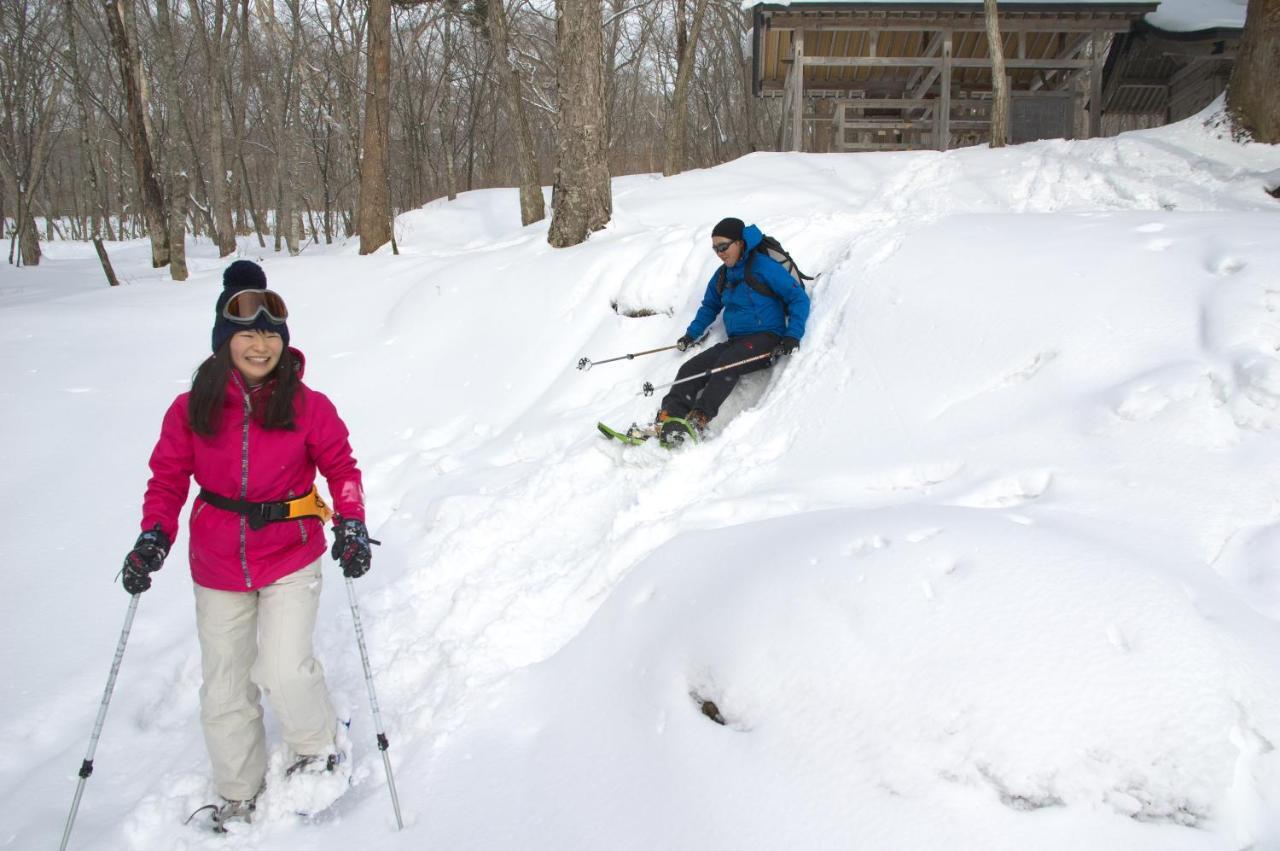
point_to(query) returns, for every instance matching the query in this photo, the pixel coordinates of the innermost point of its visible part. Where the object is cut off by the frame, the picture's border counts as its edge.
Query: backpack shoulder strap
(722, 277)
(759, 285)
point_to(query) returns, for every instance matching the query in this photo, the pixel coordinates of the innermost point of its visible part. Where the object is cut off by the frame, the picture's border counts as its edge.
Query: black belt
(259, 514)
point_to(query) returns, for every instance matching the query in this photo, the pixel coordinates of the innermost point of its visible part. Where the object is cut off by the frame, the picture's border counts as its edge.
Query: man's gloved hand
(684, 342)
(785, 346)
(144, 559)
(351, 546)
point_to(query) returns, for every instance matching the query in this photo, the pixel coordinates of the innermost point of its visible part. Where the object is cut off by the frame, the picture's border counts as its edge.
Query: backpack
(774, 251)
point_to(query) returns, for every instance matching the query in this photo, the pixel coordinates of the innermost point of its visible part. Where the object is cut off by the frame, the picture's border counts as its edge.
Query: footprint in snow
(1009, 491)
(1223, 265)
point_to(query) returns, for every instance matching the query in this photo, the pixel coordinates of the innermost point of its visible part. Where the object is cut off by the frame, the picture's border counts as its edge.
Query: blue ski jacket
(747, 311)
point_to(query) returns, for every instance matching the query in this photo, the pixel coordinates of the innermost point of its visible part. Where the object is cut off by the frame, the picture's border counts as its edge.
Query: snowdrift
(992, 562)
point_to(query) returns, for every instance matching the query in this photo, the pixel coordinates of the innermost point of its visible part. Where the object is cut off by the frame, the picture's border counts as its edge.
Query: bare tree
(129, 63)
(532, 208)
(445, 112)
(375, 189)
(215, 40)
(1251, 95)
(99, 209)
(29, 98)
(677, 119)
(999, 81)
(581, 199)
(177, 177)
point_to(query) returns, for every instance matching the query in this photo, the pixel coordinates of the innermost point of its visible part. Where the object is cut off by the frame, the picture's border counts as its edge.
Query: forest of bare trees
(125, 118)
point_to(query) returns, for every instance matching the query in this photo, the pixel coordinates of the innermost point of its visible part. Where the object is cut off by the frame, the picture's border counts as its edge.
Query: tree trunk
(444, 109)
(106, 262)
(581, 200)
(215, 43)
(177, 178)
(152, 199)
(375, 183)
(98, 210)
(999, 81)
(29, 252)
(673, 156)
(1251, 95)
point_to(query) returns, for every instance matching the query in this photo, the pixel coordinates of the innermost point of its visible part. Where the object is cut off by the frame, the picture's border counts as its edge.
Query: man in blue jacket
(764, 314)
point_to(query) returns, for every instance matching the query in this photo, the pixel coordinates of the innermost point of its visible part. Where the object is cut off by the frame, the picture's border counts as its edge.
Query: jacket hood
(752, 236)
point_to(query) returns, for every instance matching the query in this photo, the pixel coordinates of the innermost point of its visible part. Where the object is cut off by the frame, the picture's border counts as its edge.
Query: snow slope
(992, 562)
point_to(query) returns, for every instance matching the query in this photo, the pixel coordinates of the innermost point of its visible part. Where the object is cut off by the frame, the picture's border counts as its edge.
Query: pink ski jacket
(248, 462)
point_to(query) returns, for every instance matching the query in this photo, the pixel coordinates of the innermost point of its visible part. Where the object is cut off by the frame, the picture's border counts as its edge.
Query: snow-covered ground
(992, 562)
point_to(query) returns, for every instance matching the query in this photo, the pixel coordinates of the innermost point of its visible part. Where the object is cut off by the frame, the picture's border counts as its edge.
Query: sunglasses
(246, 306)
(721, 247)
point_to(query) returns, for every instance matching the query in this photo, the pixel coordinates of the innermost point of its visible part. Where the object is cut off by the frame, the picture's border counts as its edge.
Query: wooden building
(859, 75)
(1171, 65)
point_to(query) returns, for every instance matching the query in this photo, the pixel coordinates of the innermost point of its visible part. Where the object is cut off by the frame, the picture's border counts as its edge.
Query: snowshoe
(676, 430)
(216, 817)
(314, 782)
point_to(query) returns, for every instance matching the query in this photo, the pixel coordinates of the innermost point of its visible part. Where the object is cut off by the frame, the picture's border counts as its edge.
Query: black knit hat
(242, 275)
(731, 228)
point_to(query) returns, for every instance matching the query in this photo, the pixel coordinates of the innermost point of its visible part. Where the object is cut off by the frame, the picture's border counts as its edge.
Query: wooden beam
(934, 45)
(943, 115)
(786, 92)
(967, 23)
(909, 124)
(929, 62)
(797, 97)
(1095, 85)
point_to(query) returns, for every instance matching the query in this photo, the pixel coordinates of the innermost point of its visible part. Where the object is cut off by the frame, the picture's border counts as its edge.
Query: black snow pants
(707, 394)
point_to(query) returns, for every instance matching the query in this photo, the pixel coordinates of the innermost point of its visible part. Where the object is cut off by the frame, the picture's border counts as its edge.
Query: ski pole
(587, 363)
(86, 767)
(383, 744)
(649, 388)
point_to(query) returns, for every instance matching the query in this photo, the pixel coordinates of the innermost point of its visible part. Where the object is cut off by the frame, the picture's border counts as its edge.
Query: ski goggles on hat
(246, 306)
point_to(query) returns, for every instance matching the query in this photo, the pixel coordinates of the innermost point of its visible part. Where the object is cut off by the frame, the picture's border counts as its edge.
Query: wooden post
(797, 94)
(943, 118)
(1095, 86)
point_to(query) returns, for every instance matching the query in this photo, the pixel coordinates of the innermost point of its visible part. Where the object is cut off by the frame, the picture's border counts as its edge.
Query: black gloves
(684, 342)
(785, 346)
(351, 546)
(144, 559)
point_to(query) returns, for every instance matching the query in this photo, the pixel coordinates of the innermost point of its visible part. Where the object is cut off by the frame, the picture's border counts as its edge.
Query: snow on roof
(1192, 15)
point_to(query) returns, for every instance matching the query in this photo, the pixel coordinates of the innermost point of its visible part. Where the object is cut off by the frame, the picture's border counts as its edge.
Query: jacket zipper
(244, 489)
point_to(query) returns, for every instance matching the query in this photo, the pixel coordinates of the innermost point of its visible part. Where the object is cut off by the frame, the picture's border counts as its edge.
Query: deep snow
(992, 562)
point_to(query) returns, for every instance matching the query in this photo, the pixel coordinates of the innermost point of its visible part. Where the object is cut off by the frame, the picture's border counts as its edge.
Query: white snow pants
(261, 639)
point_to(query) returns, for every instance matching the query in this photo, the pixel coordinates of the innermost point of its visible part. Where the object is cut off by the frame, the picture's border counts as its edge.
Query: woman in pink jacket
(253, 436)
